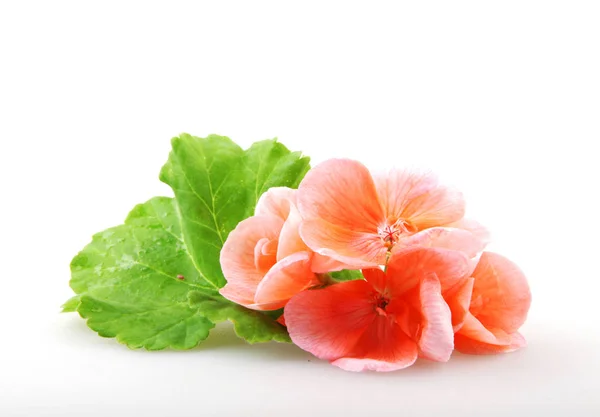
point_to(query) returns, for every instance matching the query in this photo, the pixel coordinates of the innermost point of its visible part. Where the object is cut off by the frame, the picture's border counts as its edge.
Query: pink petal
(437, 336)
(237, 294)
(350, 247)
(341, 192)
(406, 310)
(419, 198)
(473, 338)
(406, 358)
(407, 268)
(276, 201)
(264, 254)
(475, 330)
(241, 297)
(289, 240)
(474, 227)
(377, 278)
(322, 264)
(444, 237)
(502, 291)
(238, 257)
(285, 279)
(459, 299)
(475, 347)
(328, 322)
(383, 347)
(340, 323)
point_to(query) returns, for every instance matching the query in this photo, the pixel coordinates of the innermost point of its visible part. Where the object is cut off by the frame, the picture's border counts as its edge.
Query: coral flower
(355, 218)
(264, 259)
(498, 307)
(384, 322)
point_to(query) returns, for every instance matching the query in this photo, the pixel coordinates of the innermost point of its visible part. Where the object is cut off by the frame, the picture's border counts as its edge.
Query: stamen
(390, 234)
(381, 303)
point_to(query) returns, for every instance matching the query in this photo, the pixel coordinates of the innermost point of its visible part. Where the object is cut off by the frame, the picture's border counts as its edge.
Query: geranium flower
(497, 309)
(264, 259)
(384, 322)
(357, 219)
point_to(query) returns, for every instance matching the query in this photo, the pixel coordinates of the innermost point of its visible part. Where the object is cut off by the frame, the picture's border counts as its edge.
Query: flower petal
(264, 254)
(341, 192)
(444, 237)
(237, 257)
(419, 198)
(437, 336)
(409, 355)
(473, 338)
(474, 227)
(383, 347)
(376, 277)
(475, 347)
(502, 292)
(239, 296)
(459, 299)
(407, 268)
(285, 279)
(353, 248)
(289, 240)
(475, 330)
(328, 322)
(322, 264)
(276, 201)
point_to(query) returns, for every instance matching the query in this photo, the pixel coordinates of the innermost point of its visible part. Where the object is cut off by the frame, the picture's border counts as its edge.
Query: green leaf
(346, 275)
(253, 326)
(153, 282)
(151, 326)
(270, 164)
(134, 282)
(70, 306)
(217, 185)
(204, 177)
(129, 279)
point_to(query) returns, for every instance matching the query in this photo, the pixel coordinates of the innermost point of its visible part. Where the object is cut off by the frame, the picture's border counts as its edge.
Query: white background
(502, 99)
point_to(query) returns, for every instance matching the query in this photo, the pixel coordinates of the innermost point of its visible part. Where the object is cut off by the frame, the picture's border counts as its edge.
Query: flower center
(381, 303)
(391, 233)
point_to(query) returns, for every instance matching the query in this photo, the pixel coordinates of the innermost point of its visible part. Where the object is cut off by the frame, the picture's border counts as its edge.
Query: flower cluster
(429, 287)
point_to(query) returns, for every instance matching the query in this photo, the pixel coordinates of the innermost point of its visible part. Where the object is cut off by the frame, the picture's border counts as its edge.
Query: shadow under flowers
(223, 338)
(533, 361)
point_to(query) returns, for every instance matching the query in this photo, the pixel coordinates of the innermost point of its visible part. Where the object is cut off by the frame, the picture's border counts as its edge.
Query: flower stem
(388, 254)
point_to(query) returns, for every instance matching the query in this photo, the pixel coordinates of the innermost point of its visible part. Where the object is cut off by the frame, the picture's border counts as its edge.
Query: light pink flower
(357, 219)
(264, 259)
(497, 308)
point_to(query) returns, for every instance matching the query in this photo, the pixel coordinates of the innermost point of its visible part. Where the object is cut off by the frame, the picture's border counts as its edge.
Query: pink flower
(264, 259)
(357, 219)
(384, 322)
(497, 308)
